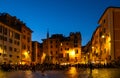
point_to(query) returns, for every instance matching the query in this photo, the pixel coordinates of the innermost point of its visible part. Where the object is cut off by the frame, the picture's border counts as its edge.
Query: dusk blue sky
(58, 16)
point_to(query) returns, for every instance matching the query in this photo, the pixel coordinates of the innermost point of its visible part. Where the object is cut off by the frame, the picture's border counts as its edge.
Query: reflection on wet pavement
(71, 73)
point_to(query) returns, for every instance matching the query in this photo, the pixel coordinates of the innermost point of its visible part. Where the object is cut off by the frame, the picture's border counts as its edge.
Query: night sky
(58, 16)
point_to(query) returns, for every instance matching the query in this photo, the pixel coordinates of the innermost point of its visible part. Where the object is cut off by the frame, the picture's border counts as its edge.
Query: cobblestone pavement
(71, 73)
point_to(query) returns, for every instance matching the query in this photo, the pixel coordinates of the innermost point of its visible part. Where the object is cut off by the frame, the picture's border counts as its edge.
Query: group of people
(33, 67)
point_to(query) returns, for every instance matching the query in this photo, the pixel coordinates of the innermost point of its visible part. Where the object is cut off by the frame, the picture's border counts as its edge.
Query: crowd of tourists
(33, 67)
(36, 67)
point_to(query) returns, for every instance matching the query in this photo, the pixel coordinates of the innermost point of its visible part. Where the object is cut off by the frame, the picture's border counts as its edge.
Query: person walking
(91, 68)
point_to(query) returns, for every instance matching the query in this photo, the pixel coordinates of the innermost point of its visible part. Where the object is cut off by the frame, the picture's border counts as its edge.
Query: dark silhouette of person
(91, 68)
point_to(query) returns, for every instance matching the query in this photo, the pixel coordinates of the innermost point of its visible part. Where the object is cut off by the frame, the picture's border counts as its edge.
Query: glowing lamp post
(72, 53)
(102, 36)
(25, 57)
(25, 53)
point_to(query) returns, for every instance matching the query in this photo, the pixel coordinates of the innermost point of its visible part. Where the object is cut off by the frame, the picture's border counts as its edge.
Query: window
(61, 55)
(24, 37)
(23, 31)
(75, 45)
(28, 39)
(76, 51)
(18, 50)
(75, 41)
(56, 52)
(5, 38)
(18, 43)
(1, 37)
(61, 49)
(104, 30)
(56, 46)
(23, 46)
(0, 46)
(10, 61)
(100, 34)
(56, 57)
(10, 40)
(4, 55)
(51, 42)
(104, 21)
(5, 31)
(10, 48)
(0, 29)
(10, 55)
(61, 44)
(15, 49)
(18, 57)
(51, 57)
(56, 41)
(51, 52)
(28, 48)
(10, 34)
(17, 36)
(5, 47)
(28, 33)
(51, 46)
(66, 48)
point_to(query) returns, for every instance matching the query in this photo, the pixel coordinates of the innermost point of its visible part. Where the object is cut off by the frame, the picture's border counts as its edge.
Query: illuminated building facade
(86, 53)
(36, 52)
(12, 33)
(10, 49)
(60, 49)
(106, 39)
(26, 44)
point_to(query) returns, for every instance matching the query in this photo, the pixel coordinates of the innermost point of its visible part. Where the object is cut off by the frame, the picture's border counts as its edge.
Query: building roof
(12, 21)
(106, 10)
(94, 32)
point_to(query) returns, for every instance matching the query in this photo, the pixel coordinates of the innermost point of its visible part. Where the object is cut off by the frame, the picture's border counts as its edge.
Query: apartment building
(15, 40)
(26, 44)
(10, 44)
(60, 49)
(106, 39)
(36, 52)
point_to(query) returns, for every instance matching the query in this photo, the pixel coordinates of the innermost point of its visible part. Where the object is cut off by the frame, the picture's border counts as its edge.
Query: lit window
(11, 34)
(61, 44)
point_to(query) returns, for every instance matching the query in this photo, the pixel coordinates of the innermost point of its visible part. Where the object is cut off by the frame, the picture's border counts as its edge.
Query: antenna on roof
(47, 33)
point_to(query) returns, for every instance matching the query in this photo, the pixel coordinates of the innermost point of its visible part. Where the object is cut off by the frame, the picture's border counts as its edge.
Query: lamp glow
(72, 53)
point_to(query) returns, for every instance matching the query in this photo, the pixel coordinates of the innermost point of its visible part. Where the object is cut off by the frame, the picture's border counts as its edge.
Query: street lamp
(103, 36)
(25, 56)
(101, 41)
(72, 53)
(25, 53)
